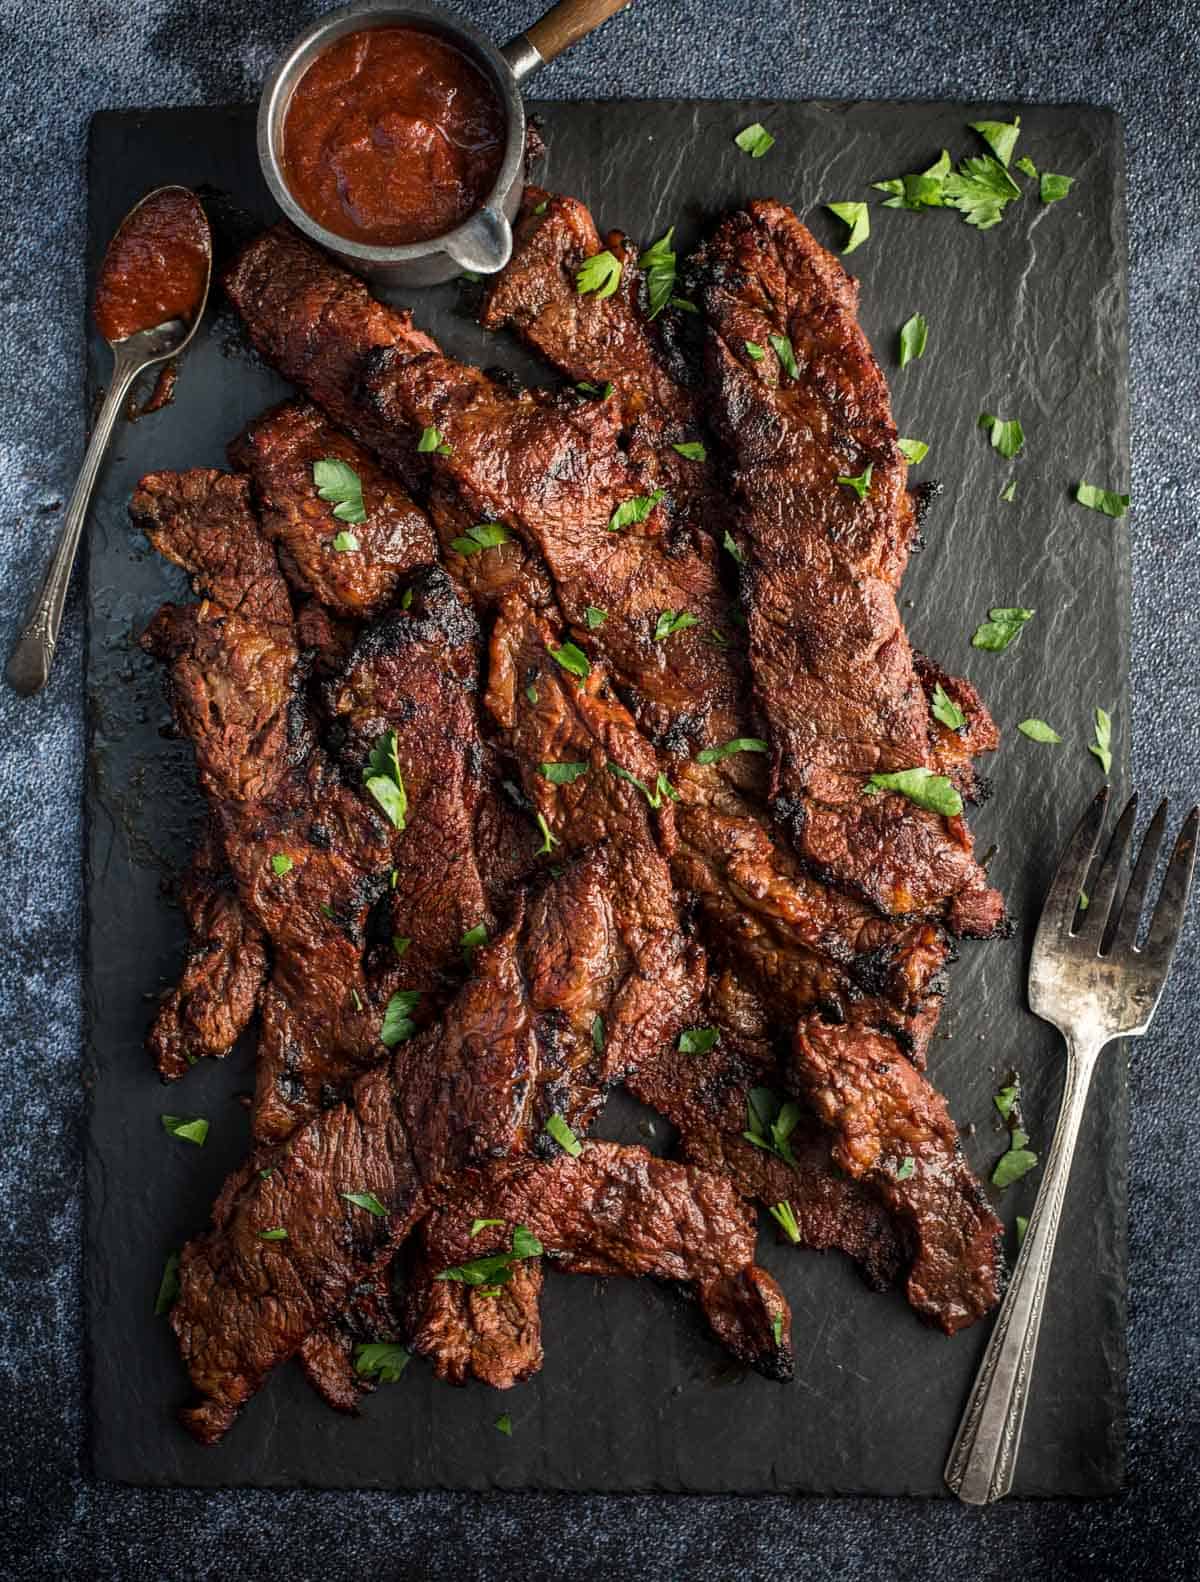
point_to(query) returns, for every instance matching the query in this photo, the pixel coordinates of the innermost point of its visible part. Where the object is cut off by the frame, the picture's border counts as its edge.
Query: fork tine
(1107, 882)
(1062, 898)
(1126, 933)
(1169, 910)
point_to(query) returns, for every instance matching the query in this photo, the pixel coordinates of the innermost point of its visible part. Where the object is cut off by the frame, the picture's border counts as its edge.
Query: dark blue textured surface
(1142, 60)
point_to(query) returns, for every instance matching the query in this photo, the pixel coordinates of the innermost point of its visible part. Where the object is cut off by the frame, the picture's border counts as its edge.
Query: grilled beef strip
(278, 451)
(834, 676)
(613, 1210)
(223, 973)
(493, 1334)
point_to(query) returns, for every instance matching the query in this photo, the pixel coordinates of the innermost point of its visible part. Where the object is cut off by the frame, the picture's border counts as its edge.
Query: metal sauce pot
(483, 241)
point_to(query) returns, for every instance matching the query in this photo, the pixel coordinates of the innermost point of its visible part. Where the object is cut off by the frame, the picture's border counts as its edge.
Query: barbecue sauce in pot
(156, 266)
(392, 136)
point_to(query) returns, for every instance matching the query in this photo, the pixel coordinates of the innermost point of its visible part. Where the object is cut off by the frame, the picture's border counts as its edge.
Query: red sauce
(156, 267)
(392, 136)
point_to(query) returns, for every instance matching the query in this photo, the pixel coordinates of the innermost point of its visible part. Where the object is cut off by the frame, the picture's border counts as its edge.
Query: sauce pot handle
(483, 243)
(563, 25)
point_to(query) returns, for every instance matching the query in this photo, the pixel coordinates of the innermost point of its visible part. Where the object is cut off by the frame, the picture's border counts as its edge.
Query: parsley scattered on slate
(168, 1286)
(914, 336)
(504, 1424)
(921, 190)
(1102, 500)
(1002, 627)
(1038, 731)
(188, 1128)
(913, 450)
(1101, 748)
(1009, 490)
(858, 217)
(1000, 136)
(980, 189)
(755, 140)
(1054, 187)
(1007, 434)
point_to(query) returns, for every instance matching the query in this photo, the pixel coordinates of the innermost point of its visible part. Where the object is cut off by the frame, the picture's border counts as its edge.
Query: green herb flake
(755, 140)
(1084, 903)
(471, 276)
(406, 599)
(504, 1424)
(381, 1360)
(1000, 136)
(1053, 187)
(932, 792)
(1009, 491)
(188, 1128)
(732, 547)
(540, 208)
(594, 617)
(782, 348)
(562, 1134)
(920, 190)
(980, 189)
(495, 1269)
(914, 337)
(366, 1200)
(344, 542)
(354, 995)
(549, 838)
(754, 351)
(861, 484)
(598, 1033)
(1101, 748)
(1022, 1227)
(945, 710)
(1038, 731)
(691, 450)
(471, 941)
(658, 266)
(858, 217)
(635, 510)
(484, 535)
(482, 1224)
(770, 1121)
(531, 693)
(1102, 500)
(384, 781)
(684, 305)
(662, 786)
(400, 944)
(599, 275)
(337, 482)
(1014, 1164)
(562, 774)
(1027, 167)
(433, 439)
(669, 623)
(265, 1175)
(739, 744)
(573, 660)
(1007, 1098)
(168, 1286)
(906, 1168)
(601, 392)
(1002, 627)
(777, 1329)
(785, 1217)
(1008, 437)
(913, 450)
(699, 1040)
(276, 1233)
(281, 863)
(398, 1024)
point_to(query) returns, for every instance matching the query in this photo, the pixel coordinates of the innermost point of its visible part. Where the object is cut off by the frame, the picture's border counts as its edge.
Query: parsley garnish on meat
(384, 781)
(905, 1168)
(562, 774)
(669, 623)
(398, 1024)
(1002, 627)
(484, 535)
(381, 1360)
(699, 1040)
(482, 1224)
(497, 1269)
(1101, 748)
(691, 450)
(862, 483)
(944, 709)
(601, 392)
(1103, 500)
(914, 336)
(782, 348)
(281, 863)
(337, 481)
(754, 351)
(770, 1121)
(471, 941)
(785, 1217)
(1007, 434)
(432, 439)
(662, 786)
(549, 838)
(658, 265)
(858, 217)
(730, 544)
(344, 542)
(932, 792)
(504, 1424)
(366, 1200)
(635, 510)
(1052, 187)
(598, 1033)
(739, 744)
(168, 1286)
(754, 140)
(573, 660)
(276, 1233)
(921, 190)
(1000, 136)
(1038, 731)
(400, 944)
(913, 450)
(189, 1129)
(594, 617)
(777, 1329)
(599, 275)
(562, 1134)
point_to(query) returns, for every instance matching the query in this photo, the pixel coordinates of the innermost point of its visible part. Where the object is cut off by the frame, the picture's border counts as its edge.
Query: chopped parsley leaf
(398, 1024)
(400, 944)
(366, 1200)
(770, 1121)
(1001, 628)
(1027, 167)
(598, 1033)
(662, 786)
(862, 483)
(734, 548)
(496, 1268)
(337, 481)
(980, 189)
(858, 217)
(785, 1217)
(601, 392)
(922, 190)
(276, 1233)
(658, 265)
(945, 710)
(1102, 500)
(344, 543)
(782, 348)
(1038, 731)
(562, 774)
(669, 623)
(562, 1134)
(593, 618)
(914, 336)
(1007, 434)
(599, 275)
(755, 140)
(1000, 136)
(905, 1168)
(691, 450)
(484, 535)
(699, 1040)
(504, 1424)
(1014, 1164)
(1022, 1227)
(168, 1286)
(754, 351)
(913, 450)
(1009, 491)
(1101, 748)
(933, 792)
(777, 1329)
(381, 1360)
(1053, 187)
(482, 1224)
(549, 838)
(189, 1129)
(635, 510)
(384, 781)
(739, 744)
(573, 660)
(281, 863)
(471, 941)
(432, 439)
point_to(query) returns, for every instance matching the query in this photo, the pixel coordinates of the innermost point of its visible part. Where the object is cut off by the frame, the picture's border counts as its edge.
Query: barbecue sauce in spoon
(156, 267)
(392, 136)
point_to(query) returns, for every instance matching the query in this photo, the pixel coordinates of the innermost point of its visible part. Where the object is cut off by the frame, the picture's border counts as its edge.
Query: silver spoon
(33, 653)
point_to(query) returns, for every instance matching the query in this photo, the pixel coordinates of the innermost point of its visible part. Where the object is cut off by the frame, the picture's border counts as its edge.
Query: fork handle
(984, 1454)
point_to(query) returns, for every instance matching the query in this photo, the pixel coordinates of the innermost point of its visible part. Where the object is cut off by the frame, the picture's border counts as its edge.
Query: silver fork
(1089, 978)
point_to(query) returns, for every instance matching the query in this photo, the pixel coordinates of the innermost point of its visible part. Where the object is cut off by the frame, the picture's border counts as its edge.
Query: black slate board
(1027, 320)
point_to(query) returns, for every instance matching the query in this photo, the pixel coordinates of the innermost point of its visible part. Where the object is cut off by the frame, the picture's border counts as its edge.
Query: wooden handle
(569, 21)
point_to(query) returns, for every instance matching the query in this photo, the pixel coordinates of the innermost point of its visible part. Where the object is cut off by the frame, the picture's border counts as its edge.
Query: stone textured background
(68, 59)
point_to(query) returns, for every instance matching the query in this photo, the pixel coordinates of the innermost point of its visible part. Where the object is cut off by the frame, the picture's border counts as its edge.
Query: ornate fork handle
(33, 653)
(984, 1454)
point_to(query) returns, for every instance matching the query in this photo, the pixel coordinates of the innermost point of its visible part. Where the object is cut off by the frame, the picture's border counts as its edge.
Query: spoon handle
(33, 653)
